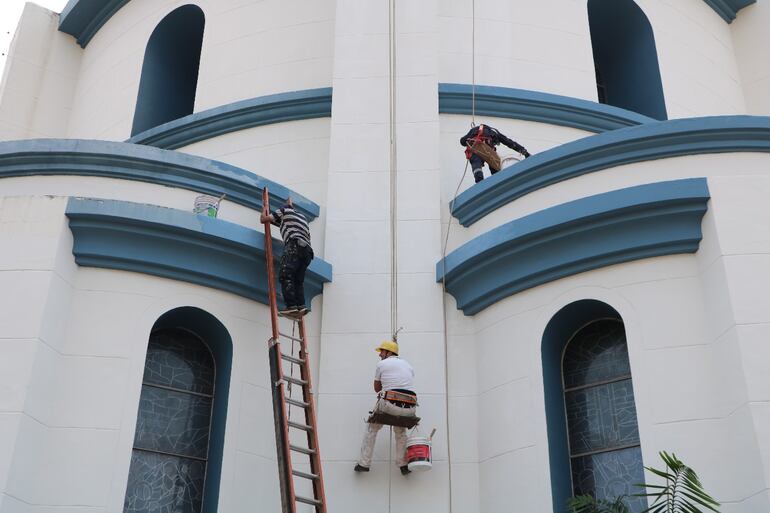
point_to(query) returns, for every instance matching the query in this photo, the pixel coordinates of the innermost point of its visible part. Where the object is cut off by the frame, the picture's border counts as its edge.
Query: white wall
(39, 78)
(752, 43)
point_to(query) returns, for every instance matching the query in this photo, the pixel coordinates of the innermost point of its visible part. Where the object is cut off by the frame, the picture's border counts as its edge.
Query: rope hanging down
(443, 257)
(393, 167)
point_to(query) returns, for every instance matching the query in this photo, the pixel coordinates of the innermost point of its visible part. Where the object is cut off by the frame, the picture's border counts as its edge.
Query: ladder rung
(295, 339)
(301, 404)
(296, 381)
(291, 359)
(306, 500)
(305, 475)
(303, 450)
(303, 427)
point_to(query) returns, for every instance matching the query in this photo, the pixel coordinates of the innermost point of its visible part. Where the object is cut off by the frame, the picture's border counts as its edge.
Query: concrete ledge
(598, 231)
(178, 245)
(728, 9)
(505, 102)
(83, 18)
(124, 161)
(661, 139)
(264, 110)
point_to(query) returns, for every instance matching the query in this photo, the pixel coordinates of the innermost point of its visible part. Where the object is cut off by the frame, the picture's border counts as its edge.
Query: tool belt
(487, 153)
(400, 398)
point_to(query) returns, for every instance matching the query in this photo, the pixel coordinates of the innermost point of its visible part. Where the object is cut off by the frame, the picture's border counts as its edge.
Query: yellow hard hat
(388, 345)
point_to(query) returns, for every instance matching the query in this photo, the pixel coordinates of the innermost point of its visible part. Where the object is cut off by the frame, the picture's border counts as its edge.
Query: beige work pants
(370, 436)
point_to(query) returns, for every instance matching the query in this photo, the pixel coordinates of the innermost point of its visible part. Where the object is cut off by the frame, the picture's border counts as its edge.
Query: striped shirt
(293, 225)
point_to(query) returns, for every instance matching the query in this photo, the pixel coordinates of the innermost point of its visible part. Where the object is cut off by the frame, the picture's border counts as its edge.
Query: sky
(10, 12)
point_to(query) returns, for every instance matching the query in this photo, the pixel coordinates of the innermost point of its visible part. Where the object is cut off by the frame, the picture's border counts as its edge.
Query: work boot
(405, 470)
(478, 175)
(360, 468)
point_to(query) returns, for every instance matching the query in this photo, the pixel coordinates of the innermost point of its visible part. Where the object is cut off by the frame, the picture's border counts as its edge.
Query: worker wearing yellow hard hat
(396, 405)
(388, 345)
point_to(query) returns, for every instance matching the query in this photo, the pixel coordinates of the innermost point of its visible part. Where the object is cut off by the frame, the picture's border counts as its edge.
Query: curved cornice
(505, 102)
(628, 224)
(83, 18)
(178, 245)
(264, 110)
(662, 139)
(144, 164)
(728, 9)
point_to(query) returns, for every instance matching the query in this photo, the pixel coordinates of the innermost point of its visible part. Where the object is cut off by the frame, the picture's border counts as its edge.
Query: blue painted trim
(628, 224)
(264, 110)
(662, 139)
(557, 333)
(728, 9)
(220, 343)
(505, 102)
(178, 245)
(124, 161)
(83, 18)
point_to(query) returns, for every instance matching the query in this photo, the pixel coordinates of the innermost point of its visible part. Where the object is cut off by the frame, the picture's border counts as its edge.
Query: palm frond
(683, 491)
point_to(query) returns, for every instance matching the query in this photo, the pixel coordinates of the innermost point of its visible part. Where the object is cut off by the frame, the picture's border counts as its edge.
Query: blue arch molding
(264, 110)
(124, 161)
(218, 340)
(662, 139)
(506, 102)
(628, 224)
(170, 67)
(559, 330)
(625, 57)
(728, 9)
(178, 245)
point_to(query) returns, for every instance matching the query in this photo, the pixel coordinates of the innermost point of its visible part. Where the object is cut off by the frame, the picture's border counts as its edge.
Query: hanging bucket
(418, 453)
(205, 204)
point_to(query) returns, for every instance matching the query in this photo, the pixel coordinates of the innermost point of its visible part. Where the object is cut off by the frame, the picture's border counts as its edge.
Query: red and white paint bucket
(418, 453)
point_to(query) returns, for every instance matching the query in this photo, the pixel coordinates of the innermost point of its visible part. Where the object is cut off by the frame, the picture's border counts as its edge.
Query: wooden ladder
(283, 401)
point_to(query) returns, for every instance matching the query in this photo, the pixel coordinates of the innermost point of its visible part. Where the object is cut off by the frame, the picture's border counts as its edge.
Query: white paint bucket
(206, 204)
(418, 453)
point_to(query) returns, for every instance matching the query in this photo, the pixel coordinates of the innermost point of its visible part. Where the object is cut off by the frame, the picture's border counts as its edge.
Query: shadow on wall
(170, 69)
(176, 461)
(593, 435)
(625, 57)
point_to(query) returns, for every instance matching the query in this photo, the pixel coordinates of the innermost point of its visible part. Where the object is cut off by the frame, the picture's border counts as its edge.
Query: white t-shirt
(393, 372)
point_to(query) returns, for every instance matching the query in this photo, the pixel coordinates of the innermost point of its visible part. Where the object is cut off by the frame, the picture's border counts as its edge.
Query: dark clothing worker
(491, 137)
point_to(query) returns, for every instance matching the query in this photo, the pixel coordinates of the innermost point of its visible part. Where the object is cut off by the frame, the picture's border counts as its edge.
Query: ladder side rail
(310, 420)
(276, 376)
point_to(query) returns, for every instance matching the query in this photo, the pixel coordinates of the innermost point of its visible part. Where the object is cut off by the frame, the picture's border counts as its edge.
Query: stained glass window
(603, 434)
(168, 463)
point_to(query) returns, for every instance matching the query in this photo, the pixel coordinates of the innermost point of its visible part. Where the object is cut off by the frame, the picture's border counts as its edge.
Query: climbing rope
(443, 258)
(473, 62)
(393, 168)
(393, 202)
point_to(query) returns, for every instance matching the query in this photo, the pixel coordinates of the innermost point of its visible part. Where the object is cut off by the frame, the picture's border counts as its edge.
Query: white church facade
(568, 317)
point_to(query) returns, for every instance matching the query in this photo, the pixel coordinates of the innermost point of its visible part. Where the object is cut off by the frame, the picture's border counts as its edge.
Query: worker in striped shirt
(296, 257)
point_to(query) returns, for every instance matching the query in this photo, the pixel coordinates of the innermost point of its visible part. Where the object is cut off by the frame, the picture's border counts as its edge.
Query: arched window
(170, 70)
(625, 57)
(593, 437)
(177, 450)
(605, 456)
